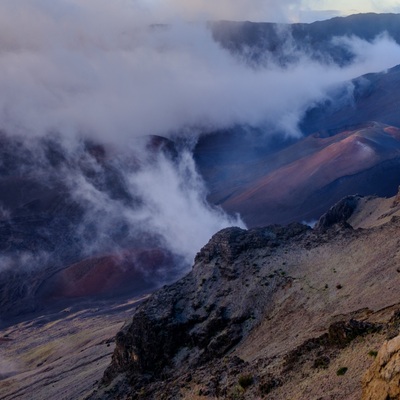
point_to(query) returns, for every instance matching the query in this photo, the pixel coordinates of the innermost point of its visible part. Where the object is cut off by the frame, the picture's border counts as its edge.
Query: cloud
(98, 68)
(176, 206)
(169, 206)
(81, 200)
(103, 70)
(240, 10)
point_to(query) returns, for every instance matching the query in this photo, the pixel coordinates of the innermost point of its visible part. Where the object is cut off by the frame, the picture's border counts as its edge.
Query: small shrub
(321, 362)
(245, 381)
(339, 286)
(237, 393)
(269, 384)
(373, 353)
(341, 371)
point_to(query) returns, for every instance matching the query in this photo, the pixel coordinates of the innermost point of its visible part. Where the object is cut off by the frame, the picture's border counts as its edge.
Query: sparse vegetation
(268, 384)
(373, 353)
(237, 393)
(321, 362)
(245, 381)
(341, 371)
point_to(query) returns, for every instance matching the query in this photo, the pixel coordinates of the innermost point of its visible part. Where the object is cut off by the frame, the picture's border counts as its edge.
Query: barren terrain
(60, 354)
(301, 313)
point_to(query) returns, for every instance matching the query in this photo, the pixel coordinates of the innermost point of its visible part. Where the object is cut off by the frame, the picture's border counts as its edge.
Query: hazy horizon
(263, 11)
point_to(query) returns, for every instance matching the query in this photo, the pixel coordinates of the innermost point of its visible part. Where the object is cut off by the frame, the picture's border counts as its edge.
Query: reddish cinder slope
(109, 275)
(318, 172)
(50, 242)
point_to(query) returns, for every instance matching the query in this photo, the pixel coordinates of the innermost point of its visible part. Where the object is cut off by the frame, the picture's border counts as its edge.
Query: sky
(327, 8)
(267, 10)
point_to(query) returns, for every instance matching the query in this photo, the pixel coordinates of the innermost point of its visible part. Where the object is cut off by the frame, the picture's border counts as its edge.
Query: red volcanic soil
(130, 272)
(326, 168)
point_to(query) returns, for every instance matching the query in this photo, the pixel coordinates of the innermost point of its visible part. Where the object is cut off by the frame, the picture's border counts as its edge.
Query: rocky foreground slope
(382, 380)
(282, 313)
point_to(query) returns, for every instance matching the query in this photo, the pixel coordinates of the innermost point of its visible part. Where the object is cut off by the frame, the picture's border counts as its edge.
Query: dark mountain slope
(376, 97)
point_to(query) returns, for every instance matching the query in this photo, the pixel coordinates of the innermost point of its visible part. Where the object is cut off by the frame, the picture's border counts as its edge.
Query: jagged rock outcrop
(396, 200)
(231, 242)
(339, 213)
(382, 380)
(200, 318)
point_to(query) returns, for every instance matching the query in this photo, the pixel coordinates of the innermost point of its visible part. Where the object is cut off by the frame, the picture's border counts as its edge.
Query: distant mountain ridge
(258, 39)
(376, 97)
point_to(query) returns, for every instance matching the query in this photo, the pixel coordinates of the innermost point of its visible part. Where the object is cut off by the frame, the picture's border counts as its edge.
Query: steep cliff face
(382, 381)
(208, 312)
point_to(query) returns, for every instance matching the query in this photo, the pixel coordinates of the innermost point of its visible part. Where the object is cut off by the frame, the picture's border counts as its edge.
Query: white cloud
(97, 68)
(93, 68)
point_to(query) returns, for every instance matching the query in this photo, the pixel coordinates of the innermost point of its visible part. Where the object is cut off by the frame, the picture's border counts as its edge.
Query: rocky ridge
(199, 318)
(275, 309)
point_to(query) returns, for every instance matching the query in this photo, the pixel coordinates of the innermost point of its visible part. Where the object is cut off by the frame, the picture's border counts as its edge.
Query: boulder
(382, 380)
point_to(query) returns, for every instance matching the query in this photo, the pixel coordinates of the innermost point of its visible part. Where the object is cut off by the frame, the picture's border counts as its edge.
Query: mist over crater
(102, 105)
